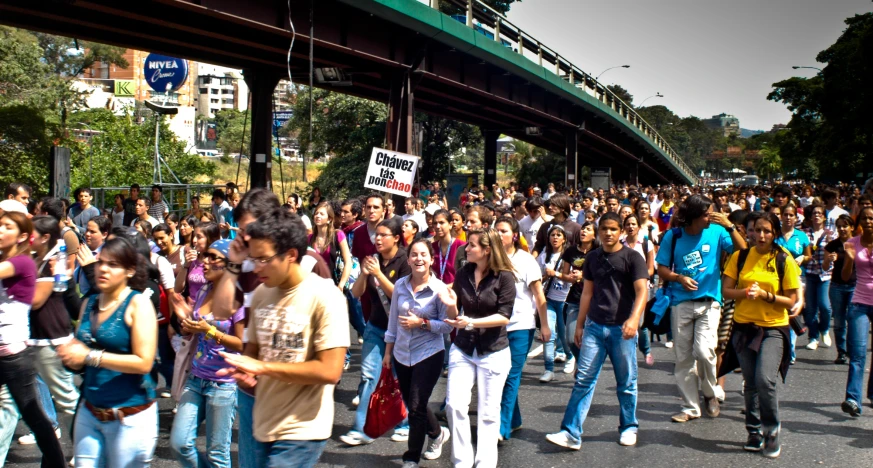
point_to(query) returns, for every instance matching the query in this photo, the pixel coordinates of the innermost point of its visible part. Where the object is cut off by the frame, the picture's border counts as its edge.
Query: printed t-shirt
(396, 268)
(554, 288)
(16, 296)
(762, 269)
(291, 326)
(697, 257)
(576, 259)
(864, 269)
(526, 272)
(795, 244)
(613, 275)
(207, 361)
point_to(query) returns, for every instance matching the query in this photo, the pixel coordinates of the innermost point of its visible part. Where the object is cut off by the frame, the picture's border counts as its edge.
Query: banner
(391, 172)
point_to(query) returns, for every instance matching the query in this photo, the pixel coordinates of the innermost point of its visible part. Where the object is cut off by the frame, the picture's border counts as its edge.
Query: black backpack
(781, 258)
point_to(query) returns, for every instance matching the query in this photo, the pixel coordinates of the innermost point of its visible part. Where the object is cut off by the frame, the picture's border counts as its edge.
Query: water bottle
(60, 270)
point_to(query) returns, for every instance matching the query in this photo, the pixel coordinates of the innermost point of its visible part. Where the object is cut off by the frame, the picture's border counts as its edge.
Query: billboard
(163, 73)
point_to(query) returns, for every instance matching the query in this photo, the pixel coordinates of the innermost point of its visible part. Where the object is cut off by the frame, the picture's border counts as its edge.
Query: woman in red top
(447, 250)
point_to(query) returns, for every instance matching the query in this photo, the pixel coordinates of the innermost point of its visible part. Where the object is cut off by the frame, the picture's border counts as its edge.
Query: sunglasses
(212, 258)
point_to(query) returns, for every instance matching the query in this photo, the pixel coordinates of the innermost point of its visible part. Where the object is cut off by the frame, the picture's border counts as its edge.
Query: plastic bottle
(60, 270)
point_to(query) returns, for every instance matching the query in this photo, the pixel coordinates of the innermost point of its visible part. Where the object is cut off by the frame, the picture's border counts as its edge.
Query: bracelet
(234, 268)
(218, 339)
(211, 333)
(94, 358)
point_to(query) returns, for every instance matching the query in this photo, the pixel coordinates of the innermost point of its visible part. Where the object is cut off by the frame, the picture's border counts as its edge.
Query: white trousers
(695, 336)
(489, 373)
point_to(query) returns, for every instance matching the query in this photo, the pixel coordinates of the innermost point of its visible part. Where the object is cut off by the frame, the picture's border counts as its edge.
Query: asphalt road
(815, 431)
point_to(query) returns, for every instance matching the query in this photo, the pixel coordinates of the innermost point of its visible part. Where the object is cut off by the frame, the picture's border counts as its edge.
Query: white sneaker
(570, 366)
(356, 401)
(719, 393)
(668, 345)
(628, 438)
(435, 446)
(30, 439)
(826, 340)
(400, 435)
(560, 357)
(547, 377)
(354, 438)
(166, 394)
(813, 345)
(564, 440)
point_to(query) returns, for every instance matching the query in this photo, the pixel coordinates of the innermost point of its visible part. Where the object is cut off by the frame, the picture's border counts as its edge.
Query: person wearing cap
(206, 394)
(12, 206)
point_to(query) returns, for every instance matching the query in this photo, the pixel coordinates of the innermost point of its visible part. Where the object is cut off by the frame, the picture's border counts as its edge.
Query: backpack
(781, 258)
(660, 324)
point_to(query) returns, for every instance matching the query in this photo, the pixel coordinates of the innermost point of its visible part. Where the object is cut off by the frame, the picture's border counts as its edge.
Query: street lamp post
(610, 68)
(812, 68)
(90, 153)
(650, 97)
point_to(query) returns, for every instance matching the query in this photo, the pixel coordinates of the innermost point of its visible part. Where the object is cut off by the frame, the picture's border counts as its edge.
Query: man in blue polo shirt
(693, 270)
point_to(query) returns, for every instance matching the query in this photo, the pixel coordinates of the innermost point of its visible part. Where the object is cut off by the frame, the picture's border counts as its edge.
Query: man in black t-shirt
(613, 299)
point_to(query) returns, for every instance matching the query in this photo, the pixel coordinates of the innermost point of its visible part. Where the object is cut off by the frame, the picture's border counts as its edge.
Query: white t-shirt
(419, 219)
(833, 215)
(526, 272)
(306, 222)
(558, 290)
(152, 221)
(529, 228)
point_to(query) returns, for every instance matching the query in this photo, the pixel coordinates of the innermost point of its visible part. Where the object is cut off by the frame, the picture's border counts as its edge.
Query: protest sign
(391, 172)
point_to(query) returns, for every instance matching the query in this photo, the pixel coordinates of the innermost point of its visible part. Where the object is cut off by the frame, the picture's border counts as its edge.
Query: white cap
(432, 208)
(12, 206)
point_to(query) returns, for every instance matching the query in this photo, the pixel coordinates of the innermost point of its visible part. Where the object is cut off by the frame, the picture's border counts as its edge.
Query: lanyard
(444, 259)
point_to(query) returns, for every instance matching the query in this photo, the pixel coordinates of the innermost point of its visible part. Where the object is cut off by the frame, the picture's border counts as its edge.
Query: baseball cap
(13, 206)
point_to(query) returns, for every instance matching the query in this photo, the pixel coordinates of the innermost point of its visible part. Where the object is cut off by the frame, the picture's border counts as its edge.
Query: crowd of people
(243, 312)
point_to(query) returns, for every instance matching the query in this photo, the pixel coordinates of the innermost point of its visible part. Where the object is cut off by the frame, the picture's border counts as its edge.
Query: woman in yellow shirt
(760, 335)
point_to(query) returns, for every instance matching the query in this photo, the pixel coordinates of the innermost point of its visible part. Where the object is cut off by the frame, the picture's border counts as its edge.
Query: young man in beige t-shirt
(297, 341)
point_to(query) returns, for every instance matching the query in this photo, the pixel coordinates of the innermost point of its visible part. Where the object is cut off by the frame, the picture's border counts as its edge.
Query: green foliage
(234, 129)
(24, 147)
(442, 139)
(537, 165)
(770, 163)
(689, 136)
(622, 93)
(831, 131)
(123, 153)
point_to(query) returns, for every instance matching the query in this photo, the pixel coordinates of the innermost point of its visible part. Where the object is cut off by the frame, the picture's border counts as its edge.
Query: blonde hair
(498, 260)
(331, 231)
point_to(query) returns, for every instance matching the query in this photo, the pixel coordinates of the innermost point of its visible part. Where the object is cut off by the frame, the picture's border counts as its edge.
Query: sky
(705, 56)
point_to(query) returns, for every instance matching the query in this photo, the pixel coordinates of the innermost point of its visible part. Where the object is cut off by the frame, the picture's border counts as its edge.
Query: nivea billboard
(164, 73)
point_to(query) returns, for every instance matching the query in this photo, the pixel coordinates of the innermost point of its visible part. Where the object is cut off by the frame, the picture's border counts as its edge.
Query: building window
(203, 91)
(213, 91)
(214, 101)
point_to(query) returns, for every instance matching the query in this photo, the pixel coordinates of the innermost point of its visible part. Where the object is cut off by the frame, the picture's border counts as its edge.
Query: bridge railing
(176, 196)
(494, 25)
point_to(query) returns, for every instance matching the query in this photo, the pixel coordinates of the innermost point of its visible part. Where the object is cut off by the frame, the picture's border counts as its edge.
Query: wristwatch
(469, 327)
(424, 324)
(730, 229)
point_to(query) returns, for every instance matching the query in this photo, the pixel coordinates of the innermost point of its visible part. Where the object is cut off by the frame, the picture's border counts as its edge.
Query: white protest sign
(391, 172)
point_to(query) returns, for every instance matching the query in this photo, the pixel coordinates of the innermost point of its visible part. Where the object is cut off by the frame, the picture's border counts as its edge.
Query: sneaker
(628, 438)
(400, 435)
(719, 393)
(842, 358)
(72, 461)
(176, 408)
(435, 446)
(812, 345)
(360, 339)
(516, 428)
(356, 401)
(409, 464)
(565, 440)
(547, 377)
(772, 448)
(166, 394)
(792, 361)
(346, 365)
(445, 372)
(354, 438)
(683, 417)
(570, 366)
(826, 340)
(650, 360)
(712, 407)
(851, 408)
(668, 345)
(30, 439)
(754, 443)
(560, 357)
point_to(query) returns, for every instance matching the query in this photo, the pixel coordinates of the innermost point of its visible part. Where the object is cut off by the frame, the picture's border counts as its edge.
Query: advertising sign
(601, 178)
(124, 88)
(391, 172)
(164, 73)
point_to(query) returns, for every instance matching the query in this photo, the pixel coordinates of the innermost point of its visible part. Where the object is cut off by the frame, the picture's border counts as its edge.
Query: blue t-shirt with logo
(697, 257)
(794, 244)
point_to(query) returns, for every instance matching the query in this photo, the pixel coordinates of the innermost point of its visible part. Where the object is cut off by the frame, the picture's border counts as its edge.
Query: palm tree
(770, 162)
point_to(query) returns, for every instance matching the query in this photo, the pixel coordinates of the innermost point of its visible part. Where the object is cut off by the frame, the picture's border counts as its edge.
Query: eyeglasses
(264, 261)
(212, 258)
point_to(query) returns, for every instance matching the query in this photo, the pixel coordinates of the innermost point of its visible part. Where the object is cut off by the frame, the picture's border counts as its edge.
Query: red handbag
(386, 408)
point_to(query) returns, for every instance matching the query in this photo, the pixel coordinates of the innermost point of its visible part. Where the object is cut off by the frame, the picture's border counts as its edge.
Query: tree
(234, 129)
(442, 138)
(537, 165)
(770, 163)
(123, 153)
(622, 93)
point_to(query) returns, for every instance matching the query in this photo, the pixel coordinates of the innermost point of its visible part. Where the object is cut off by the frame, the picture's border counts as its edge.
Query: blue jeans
(246, 442)
(817, 312)
(372, 353)
(8, 420)
(859, 318)
(598, 342)
(555, 312)
(130, 442)
(840, 296)
(210, 402)
(520, 342)
(46, 402)
(356, 319)
(288, 453)
(572, 310)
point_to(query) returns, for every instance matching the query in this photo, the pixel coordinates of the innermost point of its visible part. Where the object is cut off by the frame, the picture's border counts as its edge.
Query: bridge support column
(401, 110)
(261, 83)
(635, 174)
(490, 158)
(571, 152)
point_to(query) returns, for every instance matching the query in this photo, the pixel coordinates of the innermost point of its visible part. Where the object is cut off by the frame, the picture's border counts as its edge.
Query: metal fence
(176, 196)
(493, 25)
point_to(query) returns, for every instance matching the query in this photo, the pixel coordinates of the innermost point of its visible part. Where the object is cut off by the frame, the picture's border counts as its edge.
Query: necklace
(105, 307)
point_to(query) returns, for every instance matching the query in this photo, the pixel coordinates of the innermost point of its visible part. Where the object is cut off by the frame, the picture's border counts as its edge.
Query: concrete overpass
(478, 68)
